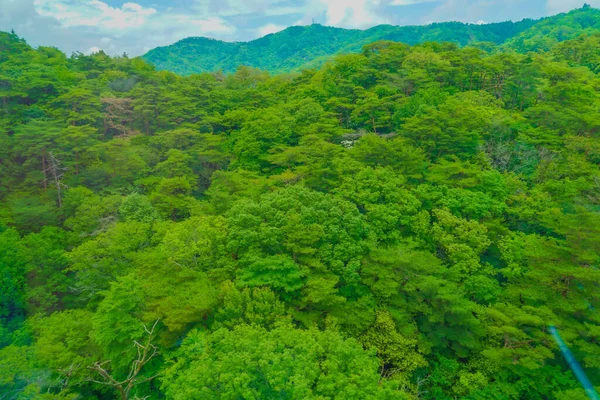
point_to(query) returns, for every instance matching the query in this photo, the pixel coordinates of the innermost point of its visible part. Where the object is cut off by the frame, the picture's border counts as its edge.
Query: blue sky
(136, 26)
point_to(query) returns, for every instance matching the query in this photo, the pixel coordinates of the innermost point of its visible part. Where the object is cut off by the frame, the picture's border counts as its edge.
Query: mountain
(299, 46)
(550, 31)
(403, 223)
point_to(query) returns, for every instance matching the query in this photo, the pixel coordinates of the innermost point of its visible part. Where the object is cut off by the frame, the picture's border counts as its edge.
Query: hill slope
(295, 46)
(550, 31)
(298, 46)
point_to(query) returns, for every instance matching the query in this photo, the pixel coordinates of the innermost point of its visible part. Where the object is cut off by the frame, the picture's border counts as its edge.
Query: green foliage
(254, 363)
(550, 31)
(303, 47)
(257, 306)
(137, 207)
(398, 354)
(309, 46)
(12, 283)
(402, 222)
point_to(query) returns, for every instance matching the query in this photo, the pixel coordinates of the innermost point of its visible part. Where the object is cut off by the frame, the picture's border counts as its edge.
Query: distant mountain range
(301, 47)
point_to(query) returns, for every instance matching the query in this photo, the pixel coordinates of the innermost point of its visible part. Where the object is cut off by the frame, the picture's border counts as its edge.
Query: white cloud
(232, 8)
(284, 10)
(135, 26)
(84, 25)
(351, 13)
(211, 25)
(92, 50)
(270, 28)
(475, 10)
(130, 17)
(73, 13)
(409, 2)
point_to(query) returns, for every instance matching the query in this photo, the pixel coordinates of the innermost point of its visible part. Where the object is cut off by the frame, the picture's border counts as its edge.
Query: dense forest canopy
(302, 47)
(401, 223)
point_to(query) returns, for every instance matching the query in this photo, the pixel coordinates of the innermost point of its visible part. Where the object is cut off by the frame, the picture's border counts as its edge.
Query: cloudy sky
(134, 27)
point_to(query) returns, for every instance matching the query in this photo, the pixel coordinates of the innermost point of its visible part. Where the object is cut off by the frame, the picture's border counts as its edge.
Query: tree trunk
(59, 194)
(44, 170)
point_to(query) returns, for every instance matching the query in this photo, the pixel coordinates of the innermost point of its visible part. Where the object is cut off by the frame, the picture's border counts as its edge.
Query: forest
(309, 47)
(407, 222)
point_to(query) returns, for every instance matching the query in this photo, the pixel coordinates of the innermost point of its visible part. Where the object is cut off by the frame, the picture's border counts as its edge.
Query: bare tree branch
(145, 352)
(56, 174)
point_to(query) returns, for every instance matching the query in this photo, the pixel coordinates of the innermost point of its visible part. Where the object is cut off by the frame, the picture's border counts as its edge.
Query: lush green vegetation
(310, 46)
(401, 223)
(550, 31)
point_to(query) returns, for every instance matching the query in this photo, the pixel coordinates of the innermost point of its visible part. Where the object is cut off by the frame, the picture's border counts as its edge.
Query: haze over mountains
(301, 47)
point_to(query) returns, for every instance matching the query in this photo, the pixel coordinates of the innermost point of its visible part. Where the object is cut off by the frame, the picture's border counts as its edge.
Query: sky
(134, 27)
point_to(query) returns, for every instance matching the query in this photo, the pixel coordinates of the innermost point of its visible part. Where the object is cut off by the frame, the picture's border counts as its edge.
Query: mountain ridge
(298, 46)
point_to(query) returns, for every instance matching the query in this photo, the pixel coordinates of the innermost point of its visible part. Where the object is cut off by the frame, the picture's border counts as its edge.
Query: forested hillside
(402, 223)
(307, 46)
(301, 47)
(550, 31)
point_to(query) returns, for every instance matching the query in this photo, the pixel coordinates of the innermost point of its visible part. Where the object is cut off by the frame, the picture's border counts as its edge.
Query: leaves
(403, 222)
(255, 363)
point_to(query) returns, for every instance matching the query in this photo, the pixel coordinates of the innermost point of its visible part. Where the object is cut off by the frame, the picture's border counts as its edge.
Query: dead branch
(146, 351)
